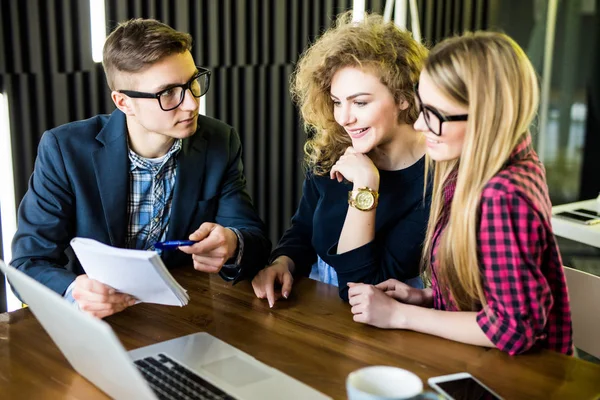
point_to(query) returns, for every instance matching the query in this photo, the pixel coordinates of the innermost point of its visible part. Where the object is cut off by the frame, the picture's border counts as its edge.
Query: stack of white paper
(138, 273)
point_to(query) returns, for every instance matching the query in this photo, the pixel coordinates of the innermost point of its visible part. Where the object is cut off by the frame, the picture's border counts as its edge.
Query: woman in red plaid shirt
(490, 254)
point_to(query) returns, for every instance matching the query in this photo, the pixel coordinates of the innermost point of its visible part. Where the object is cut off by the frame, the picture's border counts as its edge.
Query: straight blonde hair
(491, 75)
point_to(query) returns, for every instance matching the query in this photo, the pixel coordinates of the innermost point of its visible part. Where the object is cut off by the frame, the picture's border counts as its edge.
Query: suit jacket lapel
(111, 163)
(188, 186)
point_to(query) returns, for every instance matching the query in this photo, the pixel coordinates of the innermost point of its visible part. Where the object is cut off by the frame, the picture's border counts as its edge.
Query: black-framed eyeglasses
(172, 97)
(433, 118)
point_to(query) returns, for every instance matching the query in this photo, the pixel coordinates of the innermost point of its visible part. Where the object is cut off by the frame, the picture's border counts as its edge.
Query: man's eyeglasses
(433, 118)
(172, 97)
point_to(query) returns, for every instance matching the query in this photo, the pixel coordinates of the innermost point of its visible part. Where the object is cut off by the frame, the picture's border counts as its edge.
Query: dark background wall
(2, 285)
(251, 46)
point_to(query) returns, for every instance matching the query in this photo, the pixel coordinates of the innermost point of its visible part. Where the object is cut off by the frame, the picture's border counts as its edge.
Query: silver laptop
(190, 367)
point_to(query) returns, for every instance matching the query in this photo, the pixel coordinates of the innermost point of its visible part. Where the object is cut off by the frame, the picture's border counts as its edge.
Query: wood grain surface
(311, 337)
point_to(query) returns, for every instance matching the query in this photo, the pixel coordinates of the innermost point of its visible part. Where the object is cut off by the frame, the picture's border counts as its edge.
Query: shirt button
(155, 219)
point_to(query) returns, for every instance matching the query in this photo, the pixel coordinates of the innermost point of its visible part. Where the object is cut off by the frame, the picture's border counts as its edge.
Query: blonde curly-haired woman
(362, 216)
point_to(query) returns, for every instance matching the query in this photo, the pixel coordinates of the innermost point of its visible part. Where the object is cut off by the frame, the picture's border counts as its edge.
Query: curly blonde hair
(372, 45)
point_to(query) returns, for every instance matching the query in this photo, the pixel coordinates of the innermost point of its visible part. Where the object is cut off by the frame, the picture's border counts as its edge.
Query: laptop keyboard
(171, 380)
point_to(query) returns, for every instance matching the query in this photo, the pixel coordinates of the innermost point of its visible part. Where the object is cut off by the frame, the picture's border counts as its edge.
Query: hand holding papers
(138, 273)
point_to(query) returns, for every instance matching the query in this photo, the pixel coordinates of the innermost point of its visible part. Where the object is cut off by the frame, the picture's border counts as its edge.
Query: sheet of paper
(138, 273)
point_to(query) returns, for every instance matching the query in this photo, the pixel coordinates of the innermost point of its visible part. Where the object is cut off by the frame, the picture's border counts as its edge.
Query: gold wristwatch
(363, 199)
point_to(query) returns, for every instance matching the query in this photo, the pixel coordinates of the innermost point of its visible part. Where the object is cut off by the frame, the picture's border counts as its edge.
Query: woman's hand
(279, 272)
(357, 168)
(405, 293)
(371, 306)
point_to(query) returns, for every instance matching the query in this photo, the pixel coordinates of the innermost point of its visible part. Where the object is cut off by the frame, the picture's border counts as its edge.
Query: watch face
(364, 200)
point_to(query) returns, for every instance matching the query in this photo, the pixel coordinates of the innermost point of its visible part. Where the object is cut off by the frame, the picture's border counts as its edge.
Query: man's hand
(215, 246)
(264, 282)
(98, 299)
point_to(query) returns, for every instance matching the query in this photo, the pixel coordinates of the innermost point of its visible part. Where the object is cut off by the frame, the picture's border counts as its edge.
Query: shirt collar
(138, 161)
(520, 152)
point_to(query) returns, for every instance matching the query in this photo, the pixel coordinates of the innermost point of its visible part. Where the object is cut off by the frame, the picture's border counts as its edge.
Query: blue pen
(173, 244)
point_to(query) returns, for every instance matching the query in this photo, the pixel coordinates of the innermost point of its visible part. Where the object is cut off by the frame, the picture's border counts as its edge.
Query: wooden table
(587, 234)
(311, 337)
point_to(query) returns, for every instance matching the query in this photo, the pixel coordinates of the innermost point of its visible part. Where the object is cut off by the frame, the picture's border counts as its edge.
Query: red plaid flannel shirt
(521, 267)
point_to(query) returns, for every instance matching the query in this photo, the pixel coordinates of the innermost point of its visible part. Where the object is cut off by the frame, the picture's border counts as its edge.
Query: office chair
(584, 294)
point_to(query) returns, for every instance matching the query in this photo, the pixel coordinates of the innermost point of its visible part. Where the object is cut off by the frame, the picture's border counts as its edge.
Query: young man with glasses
(153, 170)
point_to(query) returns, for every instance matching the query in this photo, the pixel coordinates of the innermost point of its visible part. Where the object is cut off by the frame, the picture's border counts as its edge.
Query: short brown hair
(372, 45)
(138, 43)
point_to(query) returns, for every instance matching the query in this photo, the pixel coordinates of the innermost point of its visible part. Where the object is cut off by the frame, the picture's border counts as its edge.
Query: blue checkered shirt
(150, 197)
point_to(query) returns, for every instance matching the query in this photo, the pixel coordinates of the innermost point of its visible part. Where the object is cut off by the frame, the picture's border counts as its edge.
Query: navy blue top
(400, 225)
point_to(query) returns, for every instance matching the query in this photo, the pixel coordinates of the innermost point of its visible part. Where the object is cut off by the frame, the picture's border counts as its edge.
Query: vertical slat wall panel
(47, 58)
(440, 19)
(261, 190)
(3, 305)
(16, 21)
(5, 33)
(426, 12)
(468, 11)
(250, 45)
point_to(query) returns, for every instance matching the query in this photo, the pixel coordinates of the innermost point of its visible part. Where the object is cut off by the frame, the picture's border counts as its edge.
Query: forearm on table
(358, 230)
(460, 326)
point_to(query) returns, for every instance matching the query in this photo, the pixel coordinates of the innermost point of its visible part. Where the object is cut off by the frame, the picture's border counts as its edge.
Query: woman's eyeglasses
(433, 118)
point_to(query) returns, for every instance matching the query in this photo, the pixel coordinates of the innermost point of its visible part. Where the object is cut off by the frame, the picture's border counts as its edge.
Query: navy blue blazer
(80, 186)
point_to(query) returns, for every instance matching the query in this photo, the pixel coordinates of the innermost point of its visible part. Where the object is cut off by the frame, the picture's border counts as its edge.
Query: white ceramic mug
(382, 383)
